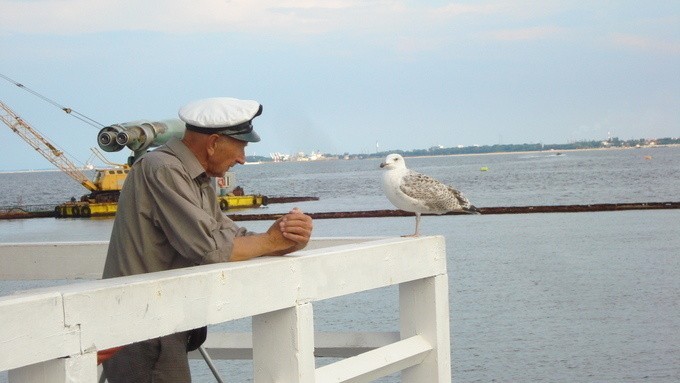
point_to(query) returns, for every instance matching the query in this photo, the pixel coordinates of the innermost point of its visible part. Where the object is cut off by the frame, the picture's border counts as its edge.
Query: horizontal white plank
(228, 346)
(349, 269)
(122, 310)
(374, 364)
(85, 260)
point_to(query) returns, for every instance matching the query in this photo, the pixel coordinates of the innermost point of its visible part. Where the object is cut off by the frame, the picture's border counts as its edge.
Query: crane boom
(44, 147)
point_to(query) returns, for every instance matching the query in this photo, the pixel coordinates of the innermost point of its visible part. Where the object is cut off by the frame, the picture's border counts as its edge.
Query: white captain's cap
(222, 115)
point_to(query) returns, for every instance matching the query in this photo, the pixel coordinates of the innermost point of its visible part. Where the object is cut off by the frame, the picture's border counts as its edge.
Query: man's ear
(211, 144)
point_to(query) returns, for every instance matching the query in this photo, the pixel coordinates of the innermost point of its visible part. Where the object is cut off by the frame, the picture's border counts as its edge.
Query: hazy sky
(342, 75)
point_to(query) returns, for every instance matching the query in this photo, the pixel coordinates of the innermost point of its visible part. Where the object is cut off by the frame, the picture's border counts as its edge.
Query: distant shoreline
(546, 151)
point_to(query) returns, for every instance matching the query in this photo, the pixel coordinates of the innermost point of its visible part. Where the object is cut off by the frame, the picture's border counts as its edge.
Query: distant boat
(484, 168)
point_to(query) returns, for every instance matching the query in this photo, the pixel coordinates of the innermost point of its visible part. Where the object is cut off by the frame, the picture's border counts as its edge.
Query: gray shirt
(168, 216)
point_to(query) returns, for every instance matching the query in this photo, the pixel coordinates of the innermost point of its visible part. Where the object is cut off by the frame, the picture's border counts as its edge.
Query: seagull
(419, 193)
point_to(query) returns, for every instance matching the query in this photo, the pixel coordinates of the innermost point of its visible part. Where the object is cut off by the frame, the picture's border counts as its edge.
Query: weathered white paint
(281, 343)
(73, 321)
(77, 368)
(32, 329)
(424, 311)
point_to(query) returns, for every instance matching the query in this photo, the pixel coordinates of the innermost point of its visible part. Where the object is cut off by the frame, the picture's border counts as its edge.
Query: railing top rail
(85, 260)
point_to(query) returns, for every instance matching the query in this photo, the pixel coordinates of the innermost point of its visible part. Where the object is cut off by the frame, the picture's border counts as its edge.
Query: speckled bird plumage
(419, 193)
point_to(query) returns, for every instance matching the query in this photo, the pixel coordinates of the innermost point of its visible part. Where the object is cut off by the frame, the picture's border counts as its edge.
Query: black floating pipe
(482, 210)
(14, 213)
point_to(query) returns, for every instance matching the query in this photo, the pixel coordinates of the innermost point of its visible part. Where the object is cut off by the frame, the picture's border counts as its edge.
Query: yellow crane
(44, 147)
(105, 188)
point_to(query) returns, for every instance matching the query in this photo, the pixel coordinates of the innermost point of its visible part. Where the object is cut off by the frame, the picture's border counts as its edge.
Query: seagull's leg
(417, 233)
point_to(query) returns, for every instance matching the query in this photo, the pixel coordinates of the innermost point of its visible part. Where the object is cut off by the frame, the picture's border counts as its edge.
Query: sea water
(587, 297)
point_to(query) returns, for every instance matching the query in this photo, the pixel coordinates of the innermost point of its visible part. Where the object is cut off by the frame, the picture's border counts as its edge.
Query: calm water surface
(575, 297)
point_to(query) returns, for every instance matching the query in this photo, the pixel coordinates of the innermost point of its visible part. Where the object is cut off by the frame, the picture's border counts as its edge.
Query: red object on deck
(104, 355)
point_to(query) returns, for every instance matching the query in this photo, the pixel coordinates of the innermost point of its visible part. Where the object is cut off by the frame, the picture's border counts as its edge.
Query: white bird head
(393, 161)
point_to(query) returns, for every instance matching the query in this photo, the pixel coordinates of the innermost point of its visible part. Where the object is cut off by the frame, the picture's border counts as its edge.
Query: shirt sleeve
(186, 216)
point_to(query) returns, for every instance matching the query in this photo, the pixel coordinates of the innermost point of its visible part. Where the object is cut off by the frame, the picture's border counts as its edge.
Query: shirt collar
(188, 159)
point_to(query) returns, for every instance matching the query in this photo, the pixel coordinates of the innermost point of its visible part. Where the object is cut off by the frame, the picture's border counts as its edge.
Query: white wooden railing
(52, 335)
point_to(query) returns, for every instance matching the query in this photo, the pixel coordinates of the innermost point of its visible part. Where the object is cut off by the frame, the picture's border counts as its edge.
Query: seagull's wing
(459, 201)
(428, 191)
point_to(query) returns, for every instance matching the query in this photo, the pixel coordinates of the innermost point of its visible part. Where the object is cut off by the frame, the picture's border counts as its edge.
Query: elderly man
(168, 218)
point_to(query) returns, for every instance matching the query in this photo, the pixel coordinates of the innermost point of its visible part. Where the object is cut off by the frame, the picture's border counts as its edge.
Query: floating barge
(87, 209)
(84, 209)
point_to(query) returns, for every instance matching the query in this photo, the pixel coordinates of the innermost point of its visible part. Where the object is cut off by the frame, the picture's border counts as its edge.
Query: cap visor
(247, 137)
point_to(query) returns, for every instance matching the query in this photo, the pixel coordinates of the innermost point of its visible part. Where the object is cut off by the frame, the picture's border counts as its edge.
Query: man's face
(228, 152)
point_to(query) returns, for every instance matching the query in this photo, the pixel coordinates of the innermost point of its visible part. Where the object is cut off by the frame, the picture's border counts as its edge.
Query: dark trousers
(159, 360)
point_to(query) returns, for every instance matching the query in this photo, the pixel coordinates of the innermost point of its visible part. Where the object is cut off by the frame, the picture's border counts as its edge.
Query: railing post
(74, 369)
(424, 311)
(283, 345)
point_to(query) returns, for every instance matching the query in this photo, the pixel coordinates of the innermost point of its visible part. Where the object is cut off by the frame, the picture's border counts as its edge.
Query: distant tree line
(614, 142)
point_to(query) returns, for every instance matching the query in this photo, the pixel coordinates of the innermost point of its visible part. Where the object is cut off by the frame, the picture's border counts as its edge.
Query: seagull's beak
(382, 165)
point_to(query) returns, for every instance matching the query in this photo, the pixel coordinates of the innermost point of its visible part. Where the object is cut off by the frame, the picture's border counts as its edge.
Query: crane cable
(68, 111)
